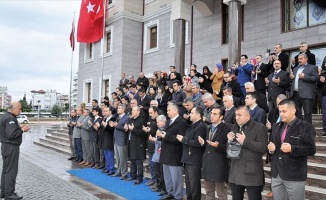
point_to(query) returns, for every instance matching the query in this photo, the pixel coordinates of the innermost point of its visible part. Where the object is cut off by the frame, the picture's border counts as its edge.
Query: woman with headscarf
(217, 79)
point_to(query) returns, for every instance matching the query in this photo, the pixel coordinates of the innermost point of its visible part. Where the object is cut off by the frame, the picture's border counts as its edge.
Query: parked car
(22, 119)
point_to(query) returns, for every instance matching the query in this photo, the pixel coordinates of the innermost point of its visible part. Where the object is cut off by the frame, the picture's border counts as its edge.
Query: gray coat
(120, 135)
(77, 129)
(85, 129)
(248, 170)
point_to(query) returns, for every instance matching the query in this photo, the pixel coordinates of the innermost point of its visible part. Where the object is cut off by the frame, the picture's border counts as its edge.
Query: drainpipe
(191, 33)
(142, 41)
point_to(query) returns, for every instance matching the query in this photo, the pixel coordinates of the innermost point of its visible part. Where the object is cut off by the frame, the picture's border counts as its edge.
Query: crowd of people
(186, 125)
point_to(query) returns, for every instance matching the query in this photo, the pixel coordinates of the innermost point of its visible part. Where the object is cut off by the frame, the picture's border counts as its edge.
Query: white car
(22, 119)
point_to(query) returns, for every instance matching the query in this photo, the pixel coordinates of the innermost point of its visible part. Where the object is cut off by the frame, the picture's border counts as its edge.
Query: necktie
(211, 133)
(226, 112)
(284, 133)
(170, 123)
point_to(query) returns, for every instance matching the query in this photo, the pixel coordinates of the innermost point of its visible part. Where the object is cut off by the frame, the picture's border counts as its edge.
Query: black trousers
(160, 184)
(193, 186)
(10, 156)
(306, 104)
(254, 192)
(137, 169)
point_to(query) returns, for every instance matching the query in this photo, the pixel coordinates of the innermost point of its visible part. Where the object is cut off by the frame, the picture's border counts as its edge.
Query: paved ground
(42, 173)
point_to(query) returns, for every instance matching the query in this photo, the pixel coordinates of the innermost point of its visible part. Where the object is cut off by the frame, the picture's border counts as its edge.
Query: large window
(225, 23)
(87, 92)
(301, 14)
(89, 52)
(151, 36)
(107, 42)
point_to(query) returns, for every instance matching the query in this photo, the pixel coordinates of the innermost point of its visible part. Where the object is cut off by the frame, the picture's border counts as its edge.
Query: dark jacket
(70, 125)
(236, 88)
(293, 166)
(260, 82)
(171, 148)
(322, 85)
(106, 135)
(192, 150)
(137, 139)
(93, 135)
(262, 101)
(311, 59)
(275, 89)
(10, 131)
(152, 132)
(215, 166)
(229, 117)
(248, 170)
(143, 82)
(258, 114)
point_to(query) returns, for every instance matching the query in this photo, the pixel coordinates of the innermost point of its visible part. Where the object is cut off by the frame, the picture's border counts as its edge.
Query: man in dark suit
(303, 49)
(123, 81)
(120, 143)
(260, 72)
(93, 136)
(171, 153)
(227, 91)
(304, 79)
(177, 75)
(261, 99)
(193, 152)
(278, 55)
(143, 81)
(106, 139)
(136, 145)
(229, 82)
(278, 82)
(144, 103)
(215, 163)
(247, 172)
(229, 116)
(292, 140)
(256, 113)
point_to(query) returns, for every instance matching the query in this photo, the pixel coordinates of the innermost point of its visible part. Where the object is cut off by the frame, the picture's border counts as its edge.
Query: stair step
(64, 145)
(53, 147)
(50, 130)
(57, 138)
(317, 117)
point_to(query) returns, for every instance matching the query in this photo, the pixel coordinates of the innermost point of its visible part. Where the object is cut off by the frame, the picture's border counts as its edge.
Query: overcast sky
(35, 49)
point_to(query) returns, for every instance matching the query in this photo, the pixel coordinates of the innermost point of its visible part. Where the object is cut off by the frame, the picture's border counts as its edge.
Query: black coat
(163, 102)
(152, 132)
(311, 59)
(137, 139)
(293, 166)
(262, 101)
(229, 117)
(106, 136)
(192, 150)
(171, 148)
(215, 166)
(145, 103)
(260, 82)
(206, 85)
(276, 89)
(143, 82)
(236, 88)
(93, 134)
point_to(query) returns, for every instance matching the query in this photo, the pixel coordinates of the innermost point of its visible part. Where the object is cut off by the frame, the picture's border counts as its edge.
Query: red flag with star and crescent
(90, 23)
(72, 36)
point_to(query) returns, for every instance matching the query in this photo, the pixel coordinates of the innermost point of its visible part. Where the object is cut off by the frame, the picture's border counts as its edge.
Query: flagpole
(72, 57)
(101, 94)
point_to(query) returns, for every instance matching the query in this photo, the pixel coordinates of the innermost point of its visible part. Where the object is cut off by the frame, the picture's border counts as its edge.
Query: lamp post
(38, 112)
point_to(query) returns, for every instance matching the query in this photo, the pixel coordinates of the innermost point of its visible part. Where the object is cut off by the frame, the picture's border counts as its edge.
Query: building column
(179, 49)
(181, 11)
(235, 29)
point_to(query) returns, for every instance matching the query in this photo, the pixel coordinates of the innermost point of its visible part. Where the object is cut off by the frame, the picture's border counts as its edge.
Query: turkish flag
(72, 36)
(90, 23)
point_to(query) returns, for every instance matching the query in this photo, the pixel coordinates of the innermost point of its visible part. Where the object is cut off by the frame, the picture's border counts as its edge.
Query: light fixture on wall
(267, 53)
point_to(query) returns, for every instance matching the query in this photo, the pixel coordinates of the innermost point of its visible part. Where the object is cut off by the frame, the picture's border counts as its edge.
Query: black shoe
(115, 175)
(72, 158)
(14, 196)
(169, 196)
(129, 179)
(150, 183)
(162, 193)
(105, 172)
(102, 167)
(138, 181)
(110, 173)
(156, 190)
(123, 177)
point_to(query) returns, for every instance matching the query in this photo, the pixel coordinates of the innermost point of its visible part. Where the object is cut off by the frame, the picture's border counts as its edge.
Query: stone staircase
(57, 139)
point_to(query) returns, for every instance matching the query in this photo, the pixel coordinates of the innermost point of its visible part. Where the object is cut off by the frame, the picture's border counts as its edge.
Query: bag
(233, 150)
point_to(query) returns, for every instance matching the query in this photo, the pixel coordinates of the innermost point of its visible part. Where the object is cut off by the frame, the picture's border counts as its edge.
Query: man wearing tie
(303, 87)
(277, 82)
(123, 81)
(260, 74)
(291, 141)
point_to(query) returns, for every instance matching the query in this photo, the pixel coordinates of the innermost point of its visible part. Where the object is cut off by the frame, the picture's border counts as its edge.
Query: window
(89, 52)
(110, 3)
(106, 42)
(151, 37)
(87, 91)
(153, 40)
(225, 63)
(301, 14)
(172, 32)
(225, 23)
(105, 87)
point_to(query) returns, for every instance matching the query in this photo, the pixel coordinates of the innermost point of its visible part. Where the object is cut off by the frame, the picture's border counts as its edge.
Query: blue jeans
(151, 165)
(109, 157)
(78, 149)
